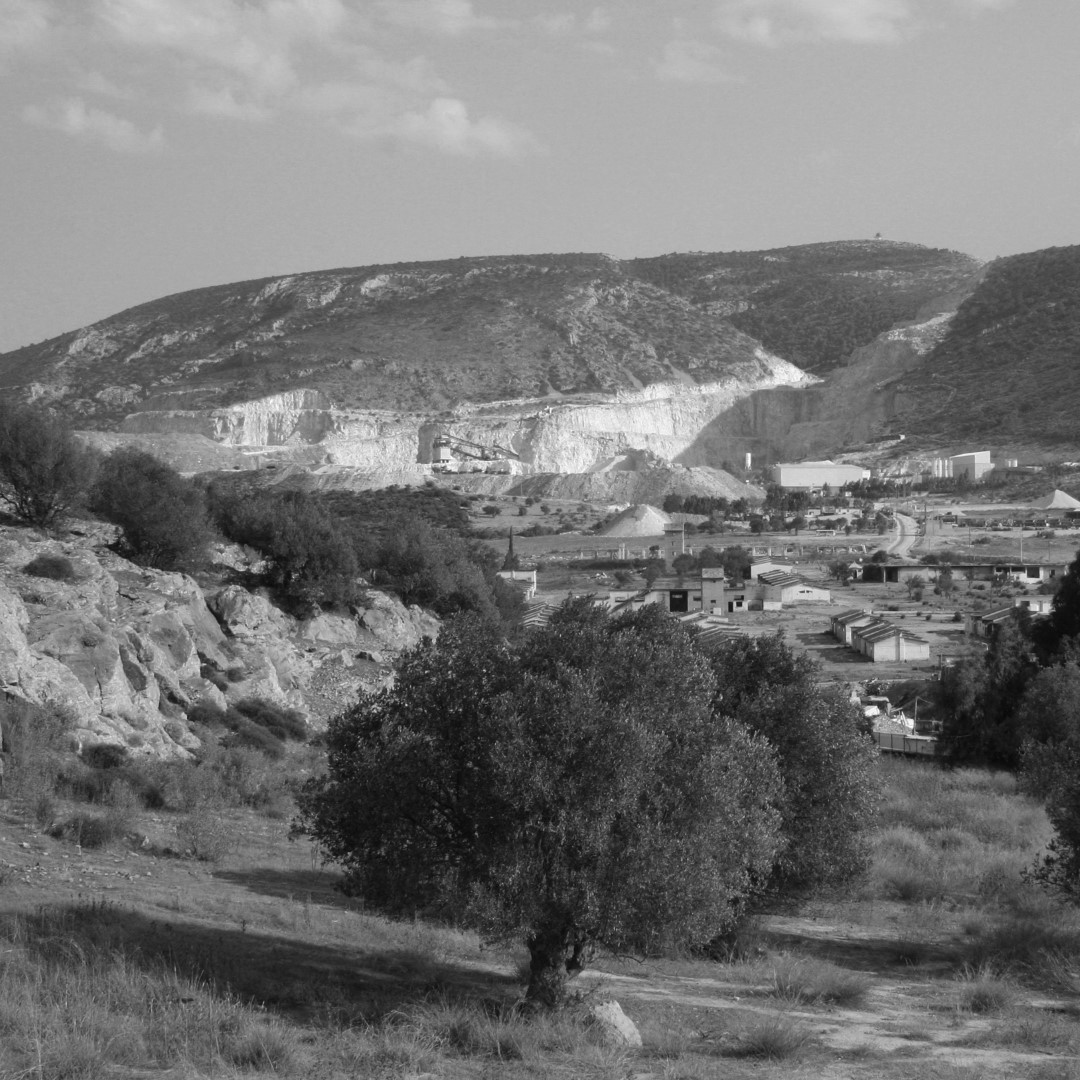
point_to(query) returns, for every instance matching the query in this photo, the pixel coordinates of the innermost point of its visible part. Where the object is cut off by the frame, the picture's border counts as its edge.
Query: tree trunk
(554, 958)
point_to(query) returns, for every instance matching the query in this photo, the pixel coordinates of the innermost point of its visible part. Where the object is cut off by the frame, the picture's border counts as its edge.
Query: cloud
(260, 61)
(773, 22)
(597, 21)
(776, 22)
(74, 117)
(435, 16)
(23, 24)
(446, 125)
(689, 61)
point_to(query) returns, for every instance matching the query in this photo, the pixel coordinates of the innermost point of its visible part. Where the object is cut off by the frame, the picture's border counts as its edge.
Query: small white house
(790, 589)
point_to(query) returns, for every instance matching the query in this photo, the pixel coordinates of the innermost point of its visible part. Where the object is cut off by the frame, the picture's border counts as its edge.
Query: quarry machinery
(445, 446)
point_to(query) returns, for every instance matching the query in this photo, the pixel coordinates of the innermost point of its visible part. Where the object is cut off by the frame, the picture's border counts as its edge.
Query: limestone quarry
(778, 413)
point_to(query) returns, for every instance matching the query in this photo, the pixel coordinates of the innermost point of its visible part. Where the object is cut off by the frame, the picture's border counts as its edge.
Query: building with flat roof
(815, 475)
(972, 467)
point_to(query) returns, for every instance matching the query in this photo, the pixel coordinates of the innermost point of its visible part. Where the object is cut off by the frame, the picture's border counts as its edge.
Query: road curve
(907, 535)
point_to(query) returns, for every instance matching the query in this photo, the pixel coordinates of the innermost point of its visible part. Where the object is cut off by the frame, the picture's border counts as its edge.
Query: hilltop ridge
(429, 336)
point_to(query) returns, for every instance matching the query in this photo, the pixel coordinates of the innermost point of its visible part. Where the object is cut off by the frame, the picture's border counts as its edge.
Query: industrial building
(972, 467)
(815, 475)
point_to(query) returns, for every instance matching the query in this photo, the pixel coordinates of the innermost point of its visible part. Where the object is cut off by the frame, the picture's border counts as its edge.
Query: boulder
(612, 1027)
(395, 626)
(247, 614)
(331, 630)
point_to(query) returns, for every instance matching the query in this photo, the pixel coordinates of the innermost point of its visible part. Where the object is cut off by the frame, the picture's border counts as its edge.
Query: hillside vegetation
(1010, 362)
(426, 336)
(814, 303)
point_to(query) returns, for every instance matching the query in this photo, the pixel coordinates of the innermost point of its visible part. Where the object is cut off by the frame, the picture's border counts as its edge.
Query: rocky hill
(575, 364)
(128, 650)
(427, 336)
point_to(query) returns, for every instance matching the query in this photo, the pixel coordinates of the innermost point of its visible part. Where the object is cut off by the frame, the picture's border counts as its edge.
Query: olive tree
(162, 516)
(575, 791)
(826, 759)
(44, 471)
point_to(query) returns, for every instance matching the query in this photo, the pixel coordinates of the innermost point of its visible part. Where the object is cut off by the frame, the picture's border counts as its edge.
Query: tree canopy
(44, 472)
(593, 785)
(162, 516)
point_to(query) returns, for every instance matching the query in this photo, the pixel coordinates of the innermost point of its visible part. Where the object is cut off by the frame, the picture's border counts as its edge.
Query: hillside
(428, 336)
(813, 304)
(1009, 363)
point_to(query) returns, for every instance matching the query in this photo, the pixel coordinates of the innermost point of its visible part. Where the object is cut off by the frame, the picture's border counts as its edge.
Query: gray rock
(612, 1026)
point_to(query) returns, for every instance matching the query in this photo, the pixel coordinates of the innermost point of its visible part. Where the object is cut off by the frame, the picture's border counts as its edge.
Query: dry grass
(255, 966)
(808, 981)
(778, 1037)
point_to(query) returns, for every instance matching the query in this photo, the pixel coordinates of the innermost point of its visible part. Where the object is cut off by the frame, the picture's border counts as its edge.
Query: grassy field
(134, 960)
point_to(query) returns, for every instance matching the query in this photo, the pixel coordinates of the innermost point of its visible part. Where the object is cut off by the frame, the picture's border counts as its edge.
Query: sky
(153, 146)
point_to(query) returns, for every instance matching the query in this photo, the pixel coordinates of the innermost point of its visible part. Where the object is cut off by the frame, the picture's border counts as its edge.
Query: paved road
(907, 535)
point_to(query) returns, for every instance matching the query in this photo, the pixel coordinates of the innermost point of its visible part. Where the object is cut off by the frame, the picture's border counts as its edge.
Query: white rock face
(573, 437)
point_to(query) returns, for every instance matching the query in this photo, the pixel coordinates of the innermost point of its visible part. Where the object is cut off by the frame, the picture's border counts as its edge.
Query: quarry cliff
(572, 362)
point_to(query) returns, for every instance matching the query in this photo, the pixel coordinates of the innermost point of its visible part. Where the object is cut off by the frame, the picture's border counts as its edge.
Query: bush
(93, 830)
(162, 517)
(36, 737)
(105, 756)
(246, 733)
(309, 556)
(281, 722)
(204, 833)
(54, 567)
(206, 713)
(44, 472)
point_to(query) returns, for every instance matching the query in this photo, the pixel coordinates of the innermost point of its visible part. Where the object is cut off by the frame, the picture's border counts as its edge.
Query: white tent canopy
(1057, 500)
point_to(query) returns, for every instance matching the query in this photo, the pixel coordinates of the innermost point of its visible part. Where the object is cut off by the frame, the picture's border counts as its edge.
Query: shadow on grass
(879, 955)
(286, 974)
(312, 886)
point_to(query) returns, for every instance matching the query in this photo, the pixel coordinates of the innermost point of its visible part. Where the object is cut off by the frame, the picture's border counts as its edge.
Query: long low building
(884, 641)
(876, 638)
(815, 475)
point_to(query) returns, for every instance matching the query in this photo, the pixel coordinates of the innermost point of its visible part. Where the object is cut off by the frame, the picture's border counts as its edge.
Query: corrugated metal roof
(846, 617)
(886, 630)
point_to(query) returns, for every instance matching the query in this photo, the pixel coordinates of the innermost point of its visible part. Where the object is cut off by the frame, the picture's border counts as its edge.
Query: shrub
(246, 733)
(308, 554)
(981, 991)
(162, 517)
(818, 982)
(105, 756)
(54, 567)
(44, 472)
(281, 722)
(204, 833)
(36, 737)
(91, 830)
(773, 1038)
(206, 713)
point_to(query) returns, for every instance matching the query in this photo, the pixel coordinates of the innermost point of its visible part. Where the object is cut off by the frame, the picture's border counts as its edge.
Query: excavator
(445, 446)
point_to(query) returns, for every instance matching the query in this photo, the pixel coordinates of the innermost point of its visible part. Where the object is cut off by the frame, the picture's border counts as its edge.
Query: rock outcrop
(127, 651)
